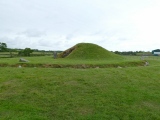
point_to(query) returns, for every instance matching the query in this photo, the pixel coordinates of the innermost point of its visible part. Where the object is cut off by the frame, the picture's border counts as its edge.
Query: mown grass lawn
(94, 94)
(49, 61)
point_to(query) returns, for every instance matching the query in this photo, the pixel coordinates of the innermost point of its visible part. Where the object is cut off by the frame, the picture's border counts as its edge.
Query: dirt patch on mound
(66, 52)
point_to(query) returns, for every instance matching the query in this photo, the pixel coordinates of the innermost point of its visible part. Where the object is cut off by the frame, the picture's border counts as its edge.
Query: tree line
(21, 52)
(139, 53)
(14, 52)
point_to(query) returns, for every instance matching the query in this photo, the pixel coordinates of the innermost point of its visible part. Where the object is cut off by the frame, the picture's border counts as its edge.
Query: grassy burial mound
(88, 51)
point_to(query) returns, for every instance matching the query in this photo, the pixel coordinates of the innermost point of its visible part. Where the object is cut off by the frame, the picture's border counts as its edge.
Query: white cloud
(32, 33)
(59, 24)
(147, 25)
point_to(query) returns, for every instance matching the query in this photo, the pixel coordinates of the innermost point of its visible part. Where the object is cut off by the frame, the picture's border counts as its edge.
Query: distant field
(127, 93)
(15, 54)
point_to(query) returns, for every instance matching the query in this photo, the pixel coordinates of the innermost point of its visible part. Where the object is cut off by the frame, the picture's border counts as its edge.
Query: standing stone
(55, 54)
(146, 63)
(142, 57)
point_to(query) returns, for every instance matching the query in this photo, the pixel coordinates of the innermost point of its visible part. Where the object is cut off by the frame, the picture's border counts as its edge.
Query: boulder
(119, 67)
(23, 60)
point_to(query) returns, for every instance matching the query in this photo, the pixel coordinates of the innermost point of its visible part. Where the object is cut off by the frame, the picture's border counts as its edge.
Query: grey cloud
(13, 42)
(5, 39)
(33, 33)
(46, 43)
(69, 36)
(19, 42)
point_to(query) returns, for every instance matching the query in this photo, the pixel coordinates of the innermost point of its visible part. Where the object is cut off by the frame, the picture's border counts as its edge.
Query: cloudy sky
(121, 25)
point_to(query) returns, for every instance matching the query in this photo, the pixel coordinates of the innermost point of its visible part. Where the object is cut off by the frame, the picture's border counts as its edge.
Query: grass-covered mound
(88, 51)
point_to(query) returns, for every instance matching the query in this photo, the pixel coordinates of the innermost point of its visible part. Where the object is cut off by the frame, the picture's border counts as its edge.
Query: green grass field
(91, 83)
(49, 61)
(30, 93)
(128, 93)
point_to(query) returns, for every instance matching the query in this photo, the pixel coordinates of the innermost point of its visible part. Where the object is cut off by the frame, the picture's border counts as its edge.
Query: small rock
(119, 67)
(19, 66)
(23, 60)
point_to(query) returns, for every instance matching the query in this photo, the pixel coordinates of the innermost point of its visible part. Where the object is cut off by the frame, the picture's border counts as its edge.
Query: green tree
(25, 52)
(3, 47)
